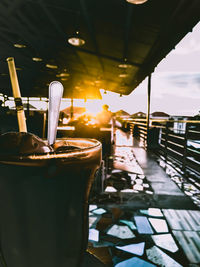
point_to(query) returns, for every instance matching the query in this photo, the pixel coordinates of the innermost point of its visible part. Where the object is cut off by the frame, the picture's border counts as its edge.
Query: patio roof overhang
(115, 33)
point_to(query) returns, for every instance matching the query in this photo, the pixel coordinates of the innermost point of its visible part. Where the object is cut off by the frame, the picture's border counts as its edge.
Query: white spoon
(55, 95)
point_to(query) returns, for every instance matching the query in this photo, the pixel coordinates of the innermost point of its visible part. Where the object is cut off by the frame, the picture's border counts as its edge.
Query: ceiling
(115, 32)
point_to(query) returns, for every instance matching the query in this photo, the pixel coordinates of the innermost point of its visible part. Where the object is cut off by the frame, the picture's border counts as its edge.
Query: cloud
(178, 83)
(197, 79)
(179, 105)
(185, 79)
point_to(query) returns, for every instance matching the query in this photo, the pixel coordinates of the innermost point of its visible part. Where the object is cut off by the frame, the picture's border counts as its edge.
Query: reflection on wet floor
(123, 139)
(124, 182)
(191, 186)
(130, 226)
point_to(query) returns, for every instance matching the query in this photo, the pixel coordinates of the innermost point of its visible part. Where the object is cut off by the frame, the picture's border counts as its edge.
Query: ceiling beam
(13, 6)
(91, 31)
(127, 30)
(15, 27)
(28, 20)
(54, 6)
(109, 57)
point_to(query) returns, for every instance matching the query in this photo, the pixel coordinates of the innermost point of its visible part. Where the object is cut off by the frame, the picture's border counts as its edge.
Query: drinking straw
(55, 95)
(17, 95)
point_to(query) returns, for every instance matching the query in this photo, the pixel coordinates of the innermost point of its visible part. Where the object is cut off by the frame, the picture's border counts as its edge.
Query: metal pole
(148, 109)
(17, 95)
(185, 148)
(166, 142)
(44, 124)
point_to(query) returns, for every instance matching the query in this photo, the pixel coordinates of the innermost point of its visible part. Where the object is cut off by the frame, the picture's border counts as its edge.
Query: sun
(93, 106)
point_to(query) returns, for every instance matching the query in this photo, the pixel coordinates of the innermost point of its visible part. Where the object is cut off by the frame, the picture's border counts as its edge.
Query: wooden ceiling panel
(112, 29)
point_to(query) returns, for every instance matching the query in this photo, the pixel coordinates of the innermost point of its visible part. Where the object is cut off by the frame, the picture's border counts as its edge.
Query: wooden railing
(175, 141)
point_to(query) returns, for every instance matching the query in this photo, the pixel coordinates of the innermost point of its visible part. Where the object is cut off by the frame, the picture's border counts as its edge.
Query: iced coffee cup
(44, 203)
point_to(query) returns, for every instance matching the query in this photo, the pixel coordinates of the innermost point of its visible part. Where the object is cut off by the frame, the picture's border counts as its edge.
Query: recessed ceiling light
(123, 75)
(123, 87)
(37, 59)
(136, 2)
(19, 45)
(124, 66)
(90, 83)
(97, 81)
(78, 88)
(63, 75)
(50, 66)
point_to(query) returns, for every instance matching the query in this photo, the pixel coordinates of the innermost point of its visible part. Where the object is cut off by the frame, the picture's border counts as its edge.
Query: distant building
(122, 113)
(159, 115)
(179, 124)
(197, 117)
(138, 115)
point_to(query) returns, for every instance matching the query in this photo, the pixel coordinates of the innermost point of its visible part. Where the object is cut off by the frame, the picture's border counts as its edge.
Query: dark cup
(44, 206)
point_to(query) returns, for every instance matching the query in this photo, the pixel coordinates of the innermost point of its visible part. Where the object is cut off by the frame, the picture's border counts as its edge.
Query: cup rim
(73, 154)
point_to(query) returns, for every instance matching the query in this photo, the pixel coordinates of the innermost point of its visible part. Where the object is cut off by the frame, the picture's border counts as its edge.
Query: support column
(148, 110)
(28, 106)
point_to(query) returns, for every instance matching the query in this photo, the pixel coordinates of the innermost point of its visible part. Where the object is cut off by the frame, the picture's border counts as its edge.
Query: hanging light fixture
(124, 64)
(123, 74)
(136, 2)
(76, 40)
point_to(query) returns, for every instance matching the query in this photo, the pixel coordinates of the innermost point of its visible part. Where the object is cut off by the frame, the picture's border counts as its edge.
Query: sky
(175, 85)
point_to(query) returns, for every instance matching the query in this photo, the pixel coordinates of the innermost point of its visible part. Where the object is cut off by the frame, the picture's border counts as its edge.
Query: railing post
(148, 110)
(166, 140)
(72, 108)
(185, 148)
